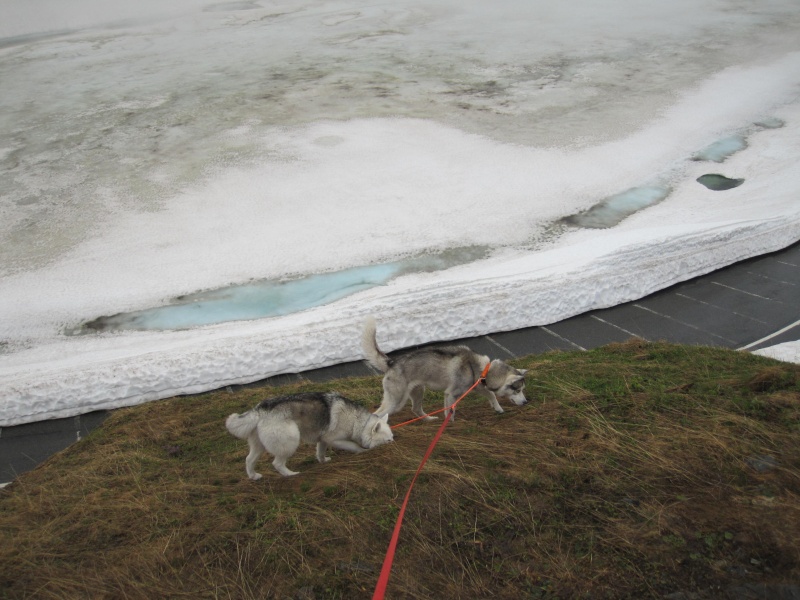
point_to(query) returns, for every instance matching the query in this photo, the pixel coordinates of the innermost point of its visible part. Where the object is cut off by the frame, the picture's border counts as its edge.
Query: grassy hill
(636, 470)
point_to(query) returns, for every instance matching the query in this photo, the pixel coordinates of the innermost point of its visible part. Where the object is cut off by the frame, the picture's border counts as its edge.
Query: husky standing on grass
(452, 369)
(278, 425)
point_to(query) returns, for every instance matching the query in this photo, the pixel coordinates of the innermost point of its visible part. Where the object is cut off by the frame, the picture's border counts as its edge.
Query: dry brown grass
(636, 470)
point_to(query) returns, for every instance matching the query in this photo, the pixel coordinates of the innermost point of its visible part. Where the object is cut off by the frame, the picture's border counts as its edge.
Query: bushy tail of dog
(369, 345)
(242, 425)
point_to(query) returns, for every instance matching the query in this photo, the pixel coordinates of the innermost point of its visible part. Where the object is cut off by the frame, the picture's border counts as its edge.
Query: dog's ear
(522, 371)
(381, 420)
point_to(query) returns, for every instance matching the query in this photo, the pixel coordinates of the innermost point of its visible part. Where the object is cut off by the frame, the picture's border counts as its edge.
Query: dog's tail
(369, 345)
(242, 425)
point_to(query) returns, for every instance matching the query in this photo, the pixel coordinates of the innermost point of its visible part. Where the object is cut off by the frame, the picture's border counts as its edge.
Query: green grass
(631, 473)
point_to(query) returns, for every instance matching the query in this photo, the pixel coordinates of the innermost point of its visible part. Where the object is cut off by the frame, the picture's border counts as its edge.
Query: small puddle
(271, 298)
(614, 209)
(770, 123)
(722, 149)
(719, 183)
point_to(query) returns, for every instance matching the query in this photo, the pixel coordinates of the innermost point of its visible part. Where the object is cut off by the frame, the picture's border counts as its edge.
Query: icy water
(613, 210)
(722, 149)
(274, 298)
(719, 183)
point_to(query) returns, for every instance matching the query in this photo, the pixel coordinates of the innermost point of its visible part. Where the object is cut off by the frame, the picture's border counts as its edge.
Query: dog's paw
(499, 410)
(327, 459)
(429, 418)
(255, 476)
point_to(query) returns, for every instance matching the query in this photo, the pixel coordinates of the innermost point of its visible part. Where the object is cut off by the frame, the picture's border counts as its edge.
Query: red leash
(383, 579)
(418, 418)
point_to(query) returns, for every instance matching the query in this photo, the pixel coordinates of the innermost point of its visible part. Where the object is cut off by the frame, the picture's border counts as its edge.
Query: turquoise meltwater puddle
(272, 298)
(722, 149)
(614, 209)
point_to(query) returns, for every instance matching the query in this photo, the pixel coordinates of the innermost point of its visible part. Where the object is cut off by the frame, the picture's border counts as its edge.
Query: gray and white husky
(451, 369)
(278, 425)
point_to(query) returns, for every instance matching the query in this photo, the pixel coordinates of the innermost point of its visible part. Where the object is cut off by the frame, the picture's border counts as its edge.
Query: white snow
(786, 352)
(149, 152)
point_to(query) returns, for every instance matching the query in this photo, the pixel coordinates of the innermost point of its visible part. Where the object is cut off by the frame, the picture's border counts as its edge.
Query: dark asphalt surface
(750, 305)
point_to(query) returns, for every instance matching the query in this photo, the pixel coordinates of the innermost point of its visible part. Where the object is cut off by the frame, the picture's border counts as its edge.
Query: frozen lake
(454, 169)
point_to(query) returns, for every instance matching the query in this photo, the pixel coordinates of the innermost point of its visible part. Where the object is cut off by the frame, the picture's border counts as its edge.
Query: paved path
(749, 305)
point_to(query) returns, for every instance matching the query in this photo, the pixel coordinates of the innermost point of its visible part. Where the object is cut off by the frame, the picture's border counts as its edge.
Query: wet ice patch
(614, 209)
(722, 149)
(770, 123)
(719, 183)
(251, 301)
(275, 298)
(725, 147)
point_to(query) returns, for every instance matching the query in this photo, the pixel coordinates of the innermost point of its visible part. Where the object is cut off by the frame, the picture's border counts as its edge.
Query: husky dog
(278, 425)
(452, 369)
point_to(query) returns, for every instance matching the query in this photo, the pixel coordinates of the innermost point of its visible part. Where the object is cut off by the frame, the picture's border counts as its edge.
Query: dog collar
(484, 373)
